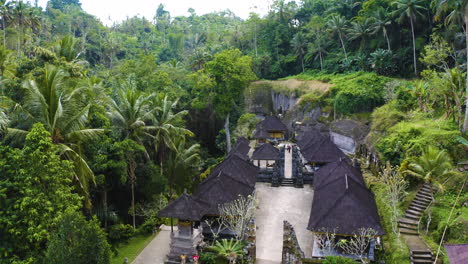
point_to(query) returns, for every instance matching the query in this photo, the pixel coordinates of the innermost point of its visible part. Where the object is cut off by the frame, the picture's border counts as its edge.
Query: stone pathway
(287, 163)
(277, 204)
(155, 252)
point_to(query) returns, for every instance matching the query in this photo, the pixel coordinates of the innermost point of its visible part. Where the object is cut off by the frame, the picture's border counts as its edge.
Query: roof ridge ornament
(346, 178)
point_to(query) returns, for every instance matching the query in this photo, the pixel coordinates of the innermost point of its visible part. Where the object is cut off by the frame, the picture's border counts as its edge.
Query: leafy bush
(120, 232)
(338, 260)
(409, 138)
(78, 241)
(360, 94)
(385, 117)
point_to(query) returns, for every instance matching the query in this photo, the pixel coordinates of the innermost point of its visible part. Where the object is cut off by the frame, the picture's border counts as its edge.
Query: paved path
(288, 163)
(155, 252)
(277, 204)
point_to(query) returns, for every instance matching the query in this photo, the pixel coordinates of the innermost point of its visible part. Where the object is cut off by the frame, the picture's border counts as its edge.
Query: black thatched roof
(333, 171)
(185, 208)
(309, 139)
(237, 168)
(265, 152)
(324, 151)
(457, 254)
(261, 133)
(344, 206)
(220, 189)
(242, 147)
(272, 123)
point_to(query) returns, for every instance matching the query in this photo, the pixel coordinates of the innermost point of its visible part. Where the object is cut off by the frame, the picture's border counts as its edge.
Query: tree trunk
(302, 61)
(104, 202)
(465, 122)
(255, 40)
(131, 172)
(228, 134)
(321, 62)
(414, 48)
(4, 32)
(386, 37)
(343, 46)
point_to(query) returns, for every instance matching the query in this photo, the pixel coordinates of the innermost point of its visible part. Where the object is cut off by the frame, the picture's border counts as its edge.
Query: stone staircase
(422, 256)
(289, 182)
(408, 225)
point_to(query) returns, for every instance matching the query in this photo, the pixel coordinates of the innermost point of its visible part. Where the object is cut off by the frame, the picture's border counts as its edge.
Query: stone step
(414, 212)
(407, 231)
(422, 200)
(408, 226)
(417, 206)
(413, 217)
(426, 191)
(408, 221)
(422, 256)
(423, 195)
(421, 251)
(420, 261)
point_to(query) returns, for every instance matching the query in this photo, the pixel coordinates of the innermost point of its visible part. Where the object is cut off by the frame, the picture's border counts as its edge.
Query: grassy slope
(131, 248)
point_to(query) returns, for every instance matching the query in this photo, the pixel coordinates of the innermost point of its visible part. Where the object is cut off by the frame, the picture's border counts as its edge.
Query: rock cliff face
(283, 102)
(263, 100)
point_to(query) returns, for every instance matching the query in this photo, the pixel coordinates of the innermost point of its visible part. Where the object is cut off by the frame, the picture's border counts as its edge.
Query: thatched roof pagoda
(261, 133)
(335, 170)
(184, 208)
(457, 254)
(272, 124)
(324, 151)
(220, 189)
(309, 139)
(344, 206)
(241, 147)
(237, 168)
(265, 152)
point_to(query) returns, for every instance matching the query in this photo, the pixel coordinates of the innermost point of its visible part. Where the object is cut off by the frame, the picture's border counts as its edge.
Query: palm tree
(50, 101)
(346, 8)
(318, 48)
(182, 161)
(360, 30)
(434, 166)
(166, 124)
(337, 24)
(20, 11)
(410, 9)
(457, 12)
(5, 14)
(230, 249)
(129, 113)
(381, 21)
(299, 44)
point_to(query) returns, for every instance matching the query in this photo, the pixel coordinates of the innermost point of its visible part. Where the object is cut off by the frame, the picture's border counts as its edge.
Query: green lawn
(132, 248)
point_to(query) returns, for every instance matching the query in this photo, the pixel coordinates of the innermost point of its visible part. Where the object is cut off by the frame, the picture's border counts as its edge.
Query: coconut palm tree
(299, 44)
(410, 9)
(50, 100)
(434, 166)
(5, 14)
(182, 161)
(381, 21)
(360, 30)
(337, 25)
(129, 114)
(230, 249)
(166, 124)
(457, 13)
(317, 49)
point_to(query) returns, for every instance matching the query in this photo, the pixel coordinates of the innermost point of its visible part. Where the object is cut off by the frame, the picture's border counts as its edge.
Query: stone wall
(292, 252)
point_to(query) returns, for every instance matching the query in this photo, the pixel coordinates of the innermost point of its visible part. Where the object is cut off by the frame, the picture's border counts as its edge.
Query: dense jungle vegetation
(101, 126)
